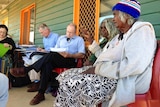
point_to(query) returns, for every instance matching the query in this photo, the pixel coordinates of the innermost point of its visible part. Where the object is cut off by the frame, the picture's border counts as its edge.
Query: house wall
(13, 15)
(151, 12)
(57, 14)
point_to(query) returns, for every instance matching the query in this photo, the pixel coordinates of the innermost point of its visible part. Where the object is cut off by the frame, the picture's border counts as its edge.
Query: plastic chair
(152, 97)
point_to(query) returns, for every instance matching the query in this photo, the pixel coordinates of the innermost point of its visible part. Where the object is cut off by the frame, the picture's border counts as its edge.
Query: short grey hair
(43, 26)
(123, 17)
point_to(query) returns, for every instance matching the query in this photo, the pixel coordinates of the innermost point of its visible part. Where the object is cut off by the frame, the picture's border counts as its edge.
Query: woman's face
(118, 23)
(103, 30)
(3, 33)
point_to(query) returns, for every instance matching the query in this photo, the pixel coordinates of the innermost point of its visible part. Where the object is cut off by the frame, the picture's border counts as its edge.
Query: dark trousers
(46, 64)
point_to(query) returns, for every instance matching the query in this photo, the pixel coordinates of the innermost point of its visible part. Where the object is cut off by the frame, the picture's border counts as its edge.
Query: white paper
(58, 49)
(27, 61)
(27, 46)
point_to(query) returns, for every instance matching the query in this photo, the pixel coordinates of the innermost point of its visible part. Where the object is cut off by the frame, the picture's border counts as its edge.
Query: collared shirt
(73, 45)
(50, 41)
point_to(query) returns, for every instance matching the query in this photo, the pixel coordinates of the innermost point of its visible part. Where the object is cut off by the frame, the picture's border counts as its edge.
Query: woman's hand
(86, 34)
(89, 71)
(87, 63)
(6, 45)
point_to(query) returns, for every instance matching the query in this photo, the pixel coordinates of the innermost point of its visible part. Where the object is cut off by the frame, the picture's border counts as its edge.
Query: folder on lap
(3, 50)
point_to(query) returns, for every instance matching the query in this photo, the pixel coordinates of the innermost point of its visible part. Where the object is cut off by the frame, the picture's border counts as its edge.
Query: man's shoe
(30, 85)
(34, 87)
(54, 93)
(37, 99)
(18, 72)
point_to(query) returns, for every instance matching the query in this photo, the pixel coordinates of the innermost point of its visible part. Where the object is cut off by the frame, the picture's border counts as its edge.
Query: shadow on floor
(19, 97)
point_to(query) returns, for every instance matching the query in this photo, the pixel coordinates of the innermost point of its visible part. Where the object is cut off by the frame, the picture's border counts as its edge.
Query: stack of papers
(58, 49)
(3, 50)
(27, 46)
(26, 60)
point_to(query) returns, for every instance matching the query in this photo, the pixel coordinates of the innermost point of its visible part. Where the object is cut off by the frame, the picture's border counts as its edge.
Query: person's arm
(87, 35)
(134, 59)
(95, 48)
(79, 48)
(77, 55)
(87, 63)
(92, 58)
(89, 71)
(68, 55)
(7, 45)
(41, 49)
(10, 44)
